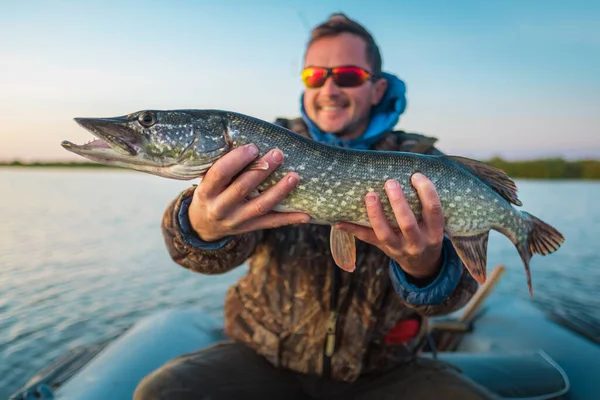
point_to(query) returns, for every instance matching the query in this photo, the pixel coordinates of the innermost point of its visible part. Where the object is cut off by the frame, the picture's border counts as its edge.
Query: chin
(332, 127)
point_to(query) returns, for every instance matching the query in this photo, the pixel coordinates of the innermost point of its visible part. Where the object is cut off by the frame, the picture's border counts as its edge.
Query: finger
(264, 203)
(247, 182)
(379, 221)
(224, 169)
(362, 233)
(274, 220)
(433, 216)
(407, 222)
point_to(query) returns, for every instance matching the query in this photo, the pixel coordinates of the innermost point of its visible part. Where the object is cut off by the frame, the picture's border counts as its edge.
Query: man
(300, 326)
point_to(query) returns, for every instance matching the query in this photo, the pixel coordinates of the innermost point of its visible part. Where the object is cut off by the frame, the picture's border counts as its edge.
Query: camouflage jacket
(300, 311)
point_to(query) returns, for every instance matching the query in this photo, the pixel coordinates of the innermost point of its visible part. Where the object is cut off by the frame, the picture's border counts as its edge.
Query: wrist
(204, 236)
(436, 290)
(420, 270)
(197, 227)
(193, 236)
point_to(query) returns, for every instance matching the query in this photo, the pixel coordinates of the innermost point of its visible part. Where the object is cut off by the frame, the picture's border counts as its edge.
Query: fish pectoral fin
(258, 165)
(343, 249)
(472, 250)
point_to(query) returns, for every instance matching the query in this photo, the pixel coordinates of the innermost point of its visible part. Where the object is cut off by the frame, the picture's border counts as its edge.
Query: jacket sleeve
(453, 287)
(449, 291)
(189, 251)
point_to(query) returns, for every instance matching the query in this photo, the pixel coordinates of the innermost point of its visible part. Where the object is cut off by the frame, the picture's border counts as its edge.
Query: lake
(82, 258)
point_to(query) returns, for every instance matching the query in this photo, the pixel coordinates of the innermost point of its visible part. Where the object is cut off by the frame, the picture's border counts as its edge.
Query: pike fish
(184, 144)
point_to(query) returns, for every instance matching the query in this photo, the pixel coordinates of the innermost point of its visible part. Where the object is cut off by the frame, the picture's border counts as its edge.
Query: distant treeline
(550, 168)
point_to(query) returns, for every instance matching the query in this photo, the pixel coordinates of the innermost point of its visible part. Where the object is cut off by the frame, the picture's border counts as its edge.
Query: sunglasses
(344, 77)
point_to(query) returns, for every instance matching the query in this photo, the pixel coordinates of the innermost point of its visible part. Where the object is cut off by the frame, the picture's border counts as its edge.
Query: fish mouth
(111, 135)
(116, 144)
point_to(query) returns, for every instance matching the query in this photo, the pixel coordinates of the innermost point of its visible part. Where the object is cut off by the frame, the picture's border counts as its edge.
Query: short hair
(338, 23)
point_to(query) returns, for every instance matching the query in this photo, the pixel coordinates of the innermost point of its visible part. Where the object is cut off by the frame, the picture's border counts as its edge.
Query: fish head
(177, 144)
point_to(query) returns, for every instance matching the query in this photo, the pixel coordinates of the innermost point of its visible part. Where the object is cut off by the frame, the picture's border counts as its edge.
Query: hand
(415, 246)
(220, 207)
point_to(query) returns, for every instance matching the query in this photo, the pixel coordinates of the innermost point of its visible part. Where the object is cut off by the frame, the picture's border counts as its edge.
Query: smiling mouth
(330, 108)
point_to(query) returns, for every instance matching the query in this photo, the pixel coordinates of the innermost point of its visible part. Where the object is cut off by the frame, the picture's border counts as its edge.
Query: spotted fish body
(334, 181)
(183, 144)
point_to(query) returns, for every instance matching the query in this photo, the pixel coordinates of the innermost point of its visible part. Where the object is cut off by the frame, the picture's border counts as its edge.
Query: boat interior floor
(529, 375)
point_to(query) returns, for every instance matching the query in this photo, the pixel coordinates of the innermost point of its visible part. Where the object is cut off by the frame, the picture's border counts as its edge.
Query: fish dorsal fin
(493, 177)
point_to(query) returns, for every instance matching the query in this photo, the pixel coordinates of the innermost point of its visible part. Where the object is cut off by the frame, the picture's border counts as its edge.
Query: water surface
(82, 258)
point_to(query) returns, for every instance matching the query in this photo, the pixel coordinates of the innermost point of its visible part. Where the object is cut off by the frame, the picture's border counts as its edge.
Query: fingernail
(418, 177)
(371, 199)
(391, 184)
(293, 179)
(252, 149)
(277, 155)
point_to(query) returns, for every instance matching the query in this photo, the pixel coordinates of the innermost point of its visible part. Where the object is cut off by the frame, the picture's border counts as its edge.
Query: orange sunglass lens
(314, 77)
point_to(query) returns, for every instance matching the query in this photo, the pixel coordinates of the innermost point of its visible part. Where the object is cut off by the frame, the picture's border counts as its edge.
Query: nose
(330, 88)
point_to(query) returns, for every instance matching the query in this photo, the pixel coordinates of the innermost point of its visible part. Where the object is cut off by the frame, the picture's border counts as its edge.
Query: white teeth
(331, 108)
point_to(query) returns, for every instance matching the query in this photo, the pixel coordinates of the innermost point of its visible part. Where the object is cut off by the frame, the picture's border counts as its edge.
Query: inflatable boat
(507, 345)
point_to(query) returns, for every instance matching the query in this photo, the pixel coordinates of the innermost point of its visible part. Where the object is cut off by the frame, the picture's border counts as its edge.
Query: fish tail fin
(539, 238)
(525, 254)
(472, 250)
(542, 238)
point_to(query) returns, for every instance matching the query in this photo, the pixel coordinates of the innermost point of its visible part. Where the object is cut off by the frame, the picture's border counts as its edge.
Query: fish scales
(184, 144)
(334, 181)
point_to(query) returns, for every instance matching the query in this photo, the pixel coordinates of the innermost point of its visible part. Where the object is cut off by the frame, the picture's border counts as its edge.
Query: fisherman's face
(342, 111)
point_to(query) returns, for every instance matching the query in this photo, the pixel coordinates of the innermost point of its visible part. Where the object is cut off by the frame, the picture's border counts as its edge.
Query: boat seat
(523, 376)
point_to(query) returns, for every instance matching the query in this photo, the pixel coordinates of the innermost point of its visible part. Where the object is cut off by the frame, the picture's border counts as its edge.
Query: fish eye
(147, 119)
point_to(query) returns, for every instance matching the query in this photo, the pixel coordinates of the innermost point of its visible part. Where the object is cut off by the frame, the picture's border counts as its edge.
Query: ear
(378, 90)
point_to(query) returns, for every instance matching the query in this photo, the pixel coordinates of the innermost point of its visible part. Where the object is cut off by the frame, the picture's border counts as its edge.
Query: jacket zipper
(330, 334)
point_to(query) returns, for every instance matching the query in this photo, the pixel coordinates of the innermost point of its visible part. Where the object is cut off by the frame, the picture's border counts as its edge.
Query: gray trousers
(233, 371)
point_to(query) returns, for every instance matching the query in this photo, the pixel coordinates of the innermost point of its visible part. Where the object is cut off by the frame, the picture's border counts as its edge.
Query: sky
(514, 78)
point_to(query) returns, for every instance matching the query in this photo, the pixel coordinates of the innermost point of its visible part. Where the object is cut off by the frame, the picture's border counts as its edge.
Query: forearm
(189, 251)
